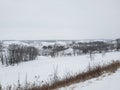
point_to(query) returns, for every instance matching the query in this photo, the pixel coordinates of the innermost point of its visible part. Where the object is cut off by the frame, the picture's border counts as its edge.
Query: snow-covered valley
(59, 44)
(42, 68)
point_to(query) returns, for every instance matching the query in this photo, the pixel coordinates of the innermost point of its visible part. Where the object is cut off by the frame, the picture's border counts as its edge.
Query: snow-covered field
(104, 82)
(43, 67)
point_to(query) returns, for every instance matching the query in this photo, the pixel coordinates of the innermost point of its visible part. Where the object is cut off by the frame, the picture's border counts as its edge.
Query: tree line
(80, 48)
(17, 53)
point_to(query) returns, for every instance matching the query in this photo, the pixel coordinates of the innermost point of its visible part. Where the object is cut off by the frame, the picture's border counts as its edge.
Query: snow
(70, 50)
(43, 67)
(6, 43)
(104, 82)
(47, 43)
(60, 43)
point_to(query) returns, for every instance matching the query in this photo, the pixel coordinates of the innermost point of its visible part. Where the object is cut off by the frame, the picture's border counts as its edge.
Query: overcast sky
(59, 19)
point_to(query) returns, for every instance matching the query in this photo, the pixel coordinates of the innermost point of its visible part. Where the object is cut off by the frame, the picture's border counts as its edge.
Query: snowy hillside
(6, 43)
(104, 82)
(43, 68)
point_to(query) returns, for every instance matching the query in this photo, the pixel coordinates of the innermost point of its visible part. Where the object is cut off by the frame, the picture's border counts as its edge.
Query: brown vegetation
(92, 72)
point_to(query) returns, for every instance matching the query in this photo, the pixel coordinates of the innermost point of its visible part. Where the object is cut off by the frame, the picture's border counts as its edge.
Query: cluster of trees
(118, 44)
(1, 54)
(52, 50)
(81, 48)
(18, 53)
(97, 46)
(15, 53)
(92, 47)
(56, 49)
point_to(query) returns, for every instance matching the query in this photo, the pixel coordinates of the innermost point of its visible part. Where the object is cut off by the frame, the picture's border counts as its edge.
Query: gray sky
(59, 19)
